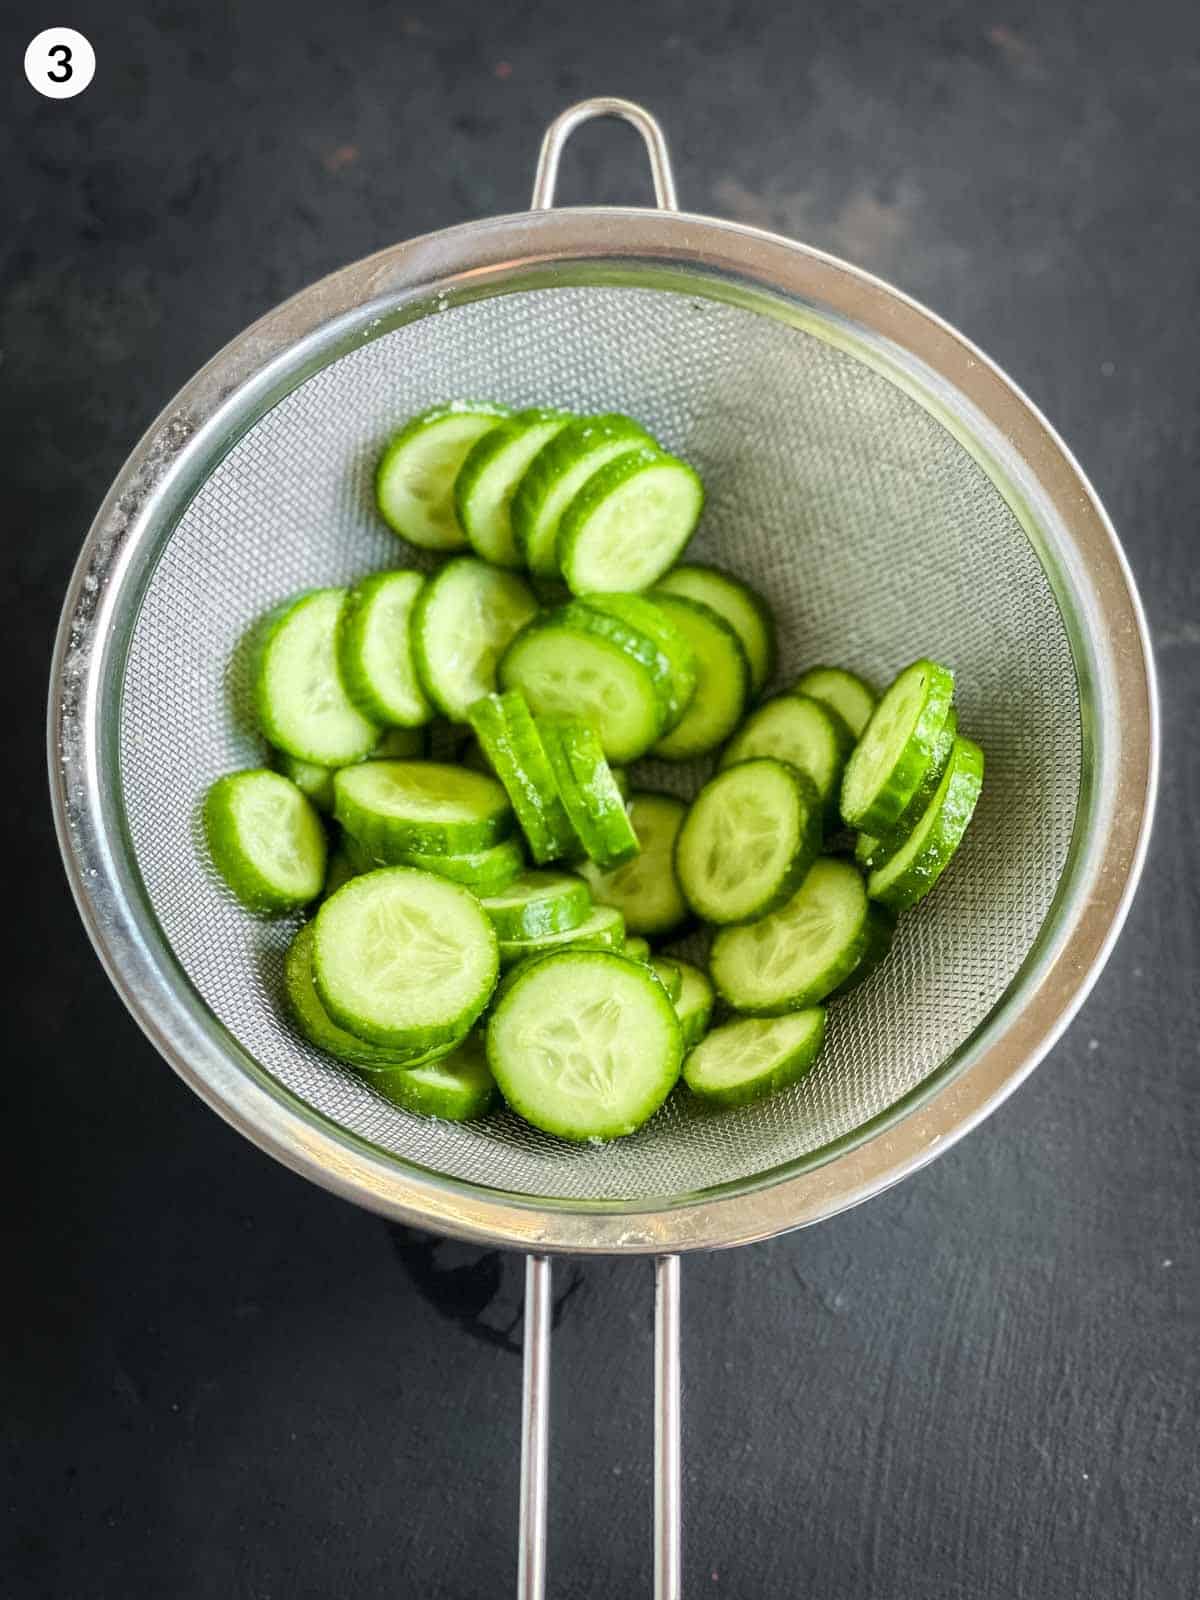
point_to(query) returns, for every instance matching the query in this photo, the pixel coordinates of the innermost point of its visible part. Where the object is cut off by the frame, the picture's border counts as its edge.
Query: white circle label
(60, 63)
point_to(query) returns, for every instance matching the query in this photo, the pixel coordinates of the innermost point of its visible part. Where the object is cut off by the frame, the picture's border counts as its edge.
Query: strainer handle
(535, 1432)
(564, 125)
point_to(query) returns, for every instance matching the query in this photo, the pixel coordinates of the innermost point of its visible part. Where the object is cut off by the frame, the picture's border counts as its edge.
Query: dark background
(219, 1381)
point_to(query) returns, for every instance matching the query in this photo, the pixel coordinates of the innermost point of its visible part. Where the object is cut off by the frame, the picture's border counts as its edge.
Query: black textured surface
(222, 1383)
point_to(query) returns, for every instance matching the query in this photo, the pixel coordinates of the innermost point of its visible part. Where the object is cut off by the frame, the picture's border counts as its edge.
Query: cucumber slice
(881, 930)
(740, 1062)
(743, 608)
(482, 871)
(340, 866)
(850, 696)
(897, 748)
(414, 482)
(748, 840)
(633, 621)
(594, 804)
(488, 479)
(637, 948)
(375, 654)
(797, 955)
(457, 1086)
(315, 1023)
(403, 958)
(313, 781)
(512, 748)
(585, 1044)
(394, 806)
(645, 890)
(401, 744)
(602, 929)
(461, 626)
(557, 473)
(628, 523)
(802, 732)
(914, 869)
(693, 1003)
(537, 903)
(265, 839)
(871, 852)
(565, 668)
(722, 679)
(669, 974)
(302, 707)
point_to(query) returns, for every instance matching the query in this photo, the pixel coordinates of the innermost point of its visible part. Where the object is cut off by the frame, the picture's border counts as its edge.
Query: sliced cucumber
(797, 955)
(645, 889)
(404, 959)
(722, 679)
(634, 622)
(375, 655)
(669, 974)
(341, 865)
(482, 871)
(457, 1086)
(557, 473)
(744, 1061)
(748, 840)
(585, 1044)
(461, 626)
(401, 744)
(897, 748)
(537, 903)
(302, 707)
(315, 1023)
(488, 479)
(693, 1004)
(637, 948)
(563, 669)
(414, 483)
(881, 930)
(871, 852)
(602, 929)
(802, 732)
(627, 524)
(594, 804)
(512, 748)
(316, 782)
(266, 840)
(914, 869)
(394, 806)
(743, 608)
(850, 696)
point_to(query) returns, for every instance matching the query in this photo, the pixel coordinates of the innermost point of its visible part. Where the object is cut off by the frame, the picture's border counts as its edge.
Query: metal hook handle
(564, 125)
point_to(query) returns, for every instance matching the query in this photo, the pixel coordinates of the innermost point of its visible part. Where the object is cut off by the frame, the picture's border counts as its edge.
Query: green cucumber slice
(669, 974)
(557, 473)
(744, 1061)
(265, 839)
(457, 1086)
(594, 804)
(602, 929)
(341, 865)
(743, 608)
(748, 840)
(645, 890)
(313, 781)
(897, 748)
(629, 521)
(414, 482)
(795, 956)
(404, 959)
(722, 679)
(914, 869)
(634, 622)
(482, 871)
(871, 852)
(881, 930)
(401, 744)
(302, 707)
(585, 1044)
(537, 903)
(802, 732)
(850, 696)
(488, 479)
(693, 1004)
(375, 654)
(637, 948)
(512, 748)
(394, 806)
(564, 668)
(461, 626)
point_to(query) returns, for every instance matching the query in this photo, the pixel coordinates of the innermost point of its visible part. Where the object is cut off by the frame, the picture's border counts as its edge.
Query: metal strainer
(869, 470)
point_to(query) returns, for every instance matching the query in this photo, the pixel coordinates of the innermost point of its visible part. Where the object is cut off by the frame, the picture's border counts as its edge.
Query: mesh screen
(876, 538)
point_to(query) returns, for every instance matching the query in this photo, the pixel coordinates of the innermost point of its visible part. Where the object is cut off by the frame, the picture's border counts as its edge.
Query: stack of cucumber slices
(484, 920)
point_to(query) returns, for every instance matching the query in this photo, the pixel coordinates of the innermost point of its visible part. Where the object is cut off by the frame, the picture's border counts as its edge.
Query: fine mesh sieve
(889, 491)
